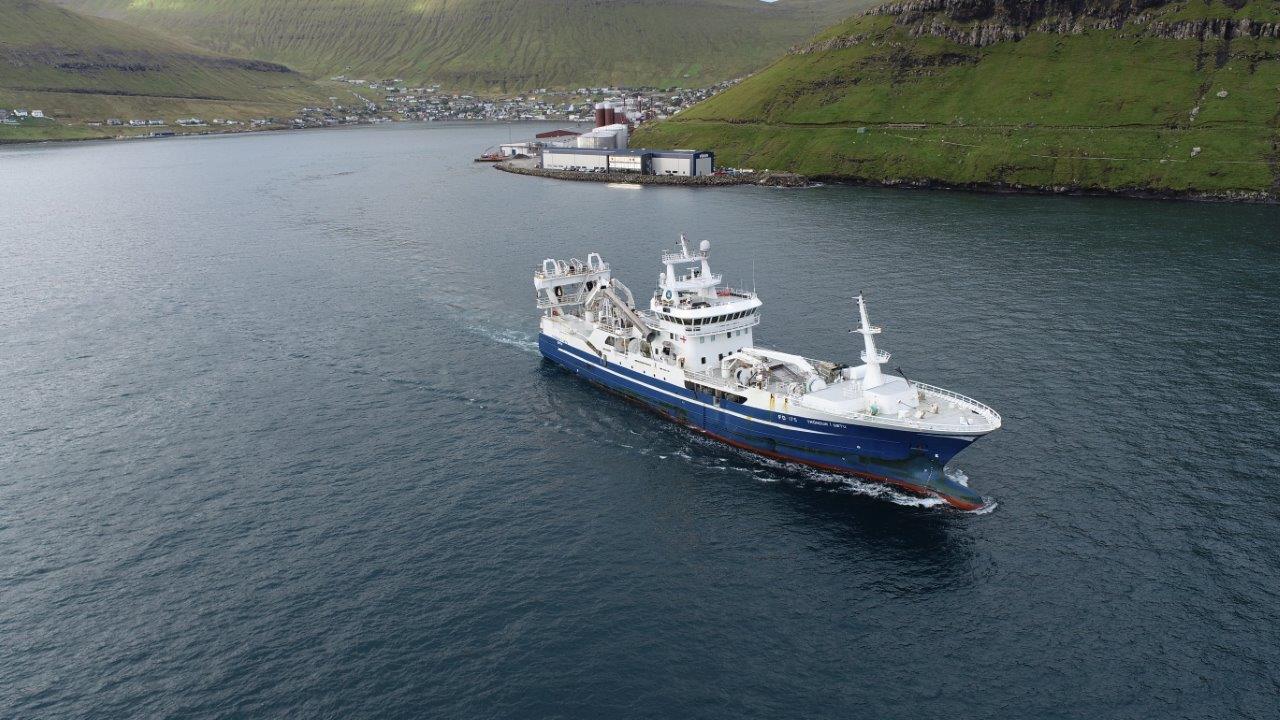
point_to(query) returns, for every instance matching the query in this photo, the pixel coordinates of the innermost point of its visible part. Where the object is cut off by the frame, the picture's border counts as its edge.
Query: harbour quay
(687, 163)
(769, 179)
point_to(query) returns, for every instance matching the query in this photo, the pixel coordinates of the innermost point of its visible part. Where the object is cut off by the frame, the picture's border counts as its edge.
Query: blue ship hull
(910, 460)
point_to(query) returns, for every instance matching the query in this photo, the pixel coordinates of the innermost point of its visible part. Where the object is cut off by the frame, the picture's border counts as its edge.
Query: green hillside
(1176, 97)
(77, 68)
(494, 44)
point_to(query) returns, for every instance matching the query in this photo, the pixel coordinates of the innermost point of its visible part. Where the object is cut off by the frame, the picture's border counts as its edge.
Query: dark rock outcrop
(978, 23)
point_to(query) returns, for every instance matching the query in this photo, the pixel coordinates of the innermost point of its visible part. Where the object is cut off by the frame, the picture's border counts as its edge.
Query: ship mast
(696, 281)
(870, 355)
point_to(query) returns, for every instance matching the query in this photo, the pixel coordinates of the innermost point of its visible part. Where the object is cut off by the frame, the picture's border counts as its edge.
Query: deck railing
(983, 408)
(675, 257)
(541, 273)
(990, 418)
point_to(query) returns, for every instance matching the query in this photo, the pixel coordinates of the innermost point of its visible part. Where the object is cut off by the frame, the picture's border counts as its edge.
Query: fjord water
(277, 442)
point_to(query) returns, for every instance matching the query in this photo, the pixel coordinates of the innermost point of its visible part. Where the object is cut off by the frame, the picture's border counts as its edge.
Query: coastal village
(366, 102)
(431, 103)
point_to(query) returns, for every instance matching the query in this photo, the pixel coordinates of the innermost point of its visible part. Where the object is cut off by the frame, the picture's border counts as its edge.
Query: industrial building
(557, 138)
(604, 149)
(612, 130)
(605, 137)
(556, 135)
(684, 163)
(514, 149)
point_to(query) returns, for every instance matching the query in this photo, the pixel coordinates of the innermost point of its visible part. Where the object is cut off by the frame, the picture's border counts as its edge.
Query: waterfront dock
(530, 167)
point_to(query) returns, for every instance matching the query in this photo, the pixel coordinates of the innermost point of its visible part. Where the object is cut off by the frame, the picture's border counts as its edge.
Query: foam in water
(514, 338)
(988, 507)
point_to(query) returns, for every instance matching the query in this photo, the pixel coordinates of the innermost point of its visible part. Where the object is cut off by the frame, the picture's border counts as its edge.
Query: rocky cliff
(977, 23)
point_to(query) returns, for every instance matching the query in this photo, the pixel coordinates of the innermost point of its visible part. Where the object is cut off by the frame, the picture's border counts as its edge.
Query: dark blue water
(277, 442)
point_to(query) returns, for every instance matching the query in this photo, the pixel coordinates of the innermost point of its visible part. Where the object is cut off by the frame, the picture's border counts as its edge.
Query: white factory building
(685, 163)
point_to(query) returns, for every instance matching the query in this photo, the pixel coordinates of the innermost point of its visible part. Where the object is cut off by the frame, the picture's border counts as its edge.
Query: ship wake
(515, 338)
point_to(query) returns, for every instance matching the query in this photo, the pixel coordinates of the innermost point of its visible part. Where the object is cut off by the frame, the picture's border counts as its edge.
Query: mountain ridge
(494, 45)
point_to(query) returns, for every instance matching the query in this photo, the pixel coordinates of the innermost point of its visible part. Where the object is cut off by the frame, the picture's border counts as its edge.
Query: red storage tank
(610, 117)
(601, 119)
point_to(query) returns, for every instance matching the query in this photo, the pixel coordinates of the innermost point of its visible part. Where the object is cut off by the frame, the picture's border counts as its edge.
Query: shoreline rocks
(793, 180)
(1255, 197)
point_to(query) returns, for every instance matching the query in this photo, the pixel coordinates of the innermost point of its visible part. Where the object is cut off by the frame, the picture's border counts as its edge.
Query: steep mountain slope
(494, 44)
(78, 67)
(1172, 97)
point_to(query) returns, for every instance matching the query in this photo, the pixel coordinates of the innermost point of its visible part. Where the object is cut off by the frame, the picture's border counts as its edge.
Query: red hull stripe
(915, 489)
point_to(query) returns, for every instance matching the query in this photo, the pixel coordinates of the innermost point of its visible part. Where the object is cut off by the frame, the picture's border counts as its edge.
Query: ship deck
(944, 411)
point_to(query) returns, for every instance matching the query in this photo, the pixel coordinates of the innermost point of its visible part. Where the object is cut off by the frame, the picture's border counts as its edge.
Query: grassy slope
(78, 68)
(1095, 111)
(495, 44)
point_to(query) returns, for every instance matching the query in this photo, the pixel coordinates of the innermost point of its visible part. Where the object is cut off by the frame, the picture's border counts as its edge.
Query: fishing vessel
(691, 358)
